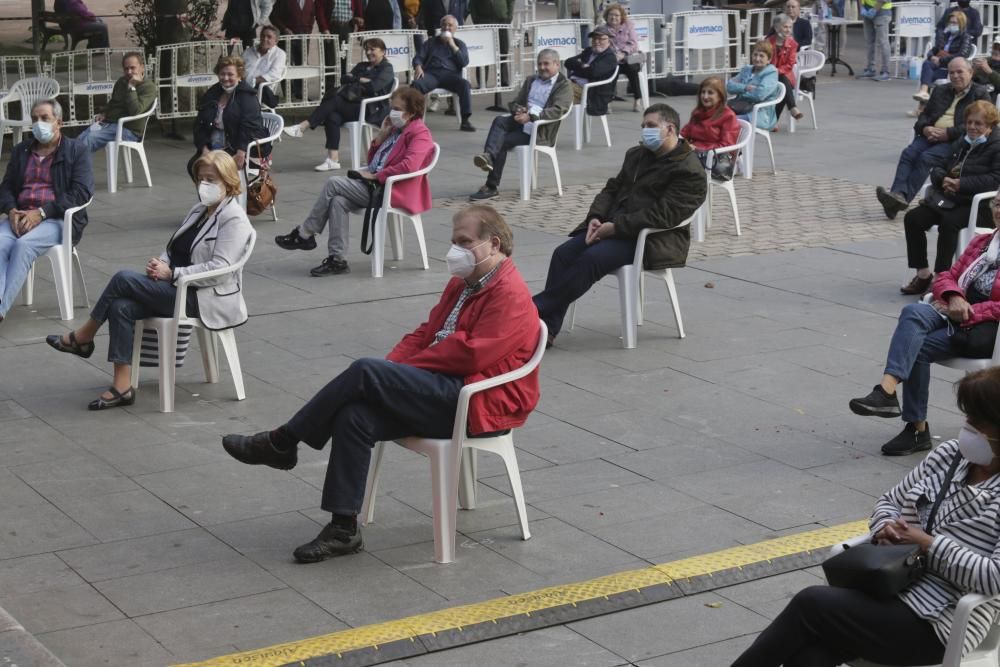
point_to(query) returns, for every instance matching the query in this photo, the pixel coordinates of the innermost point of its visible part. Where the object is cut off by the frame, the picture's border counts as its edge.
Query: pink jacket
(414, 150)
(625, 40)
(947, 283)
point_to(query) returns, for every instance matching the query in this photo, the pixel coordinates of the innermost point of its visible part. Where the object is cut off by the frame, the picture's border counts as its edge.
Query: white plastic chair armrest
(974, 211)
(67, 236)
(182, 283)
(640, 242)
(380, 98)
(129, 119)
(587, 86)
(963, 610)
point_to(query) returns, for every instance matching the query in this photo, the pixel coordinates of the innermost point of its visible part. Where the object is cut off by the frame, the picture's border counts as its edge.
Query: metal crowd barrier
(86, 79)
(756, 26)
(652, 36)
(183, 72)
(990, 13)
(312, 66)
(913, 32)
(486, 59)
(400, 48)
(564, 36)
(705, 42)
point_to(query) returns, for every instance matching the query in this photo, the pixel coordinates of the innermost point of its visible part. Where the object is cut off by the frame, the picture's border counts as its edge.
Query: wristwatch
(41, 212)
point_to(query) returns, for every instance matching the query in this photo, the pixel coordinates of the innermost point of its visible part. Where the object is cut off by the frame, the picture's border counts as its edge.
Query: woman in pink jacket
(403, 145)
(960, 321)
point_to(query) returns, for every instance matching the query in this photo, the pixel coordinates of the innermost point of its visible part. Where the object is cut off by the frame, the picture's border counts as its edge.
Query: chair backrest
(145, 119)
(779, 94)
(640, 244)
(540, 123)
(363, 112)
(387, 192)
(31, 90)
(274, 124)
(810, 61)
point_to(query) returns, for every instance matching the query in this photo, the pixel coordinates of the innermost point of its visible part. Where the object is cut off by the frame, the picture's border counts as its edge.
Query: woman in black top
(370, 78)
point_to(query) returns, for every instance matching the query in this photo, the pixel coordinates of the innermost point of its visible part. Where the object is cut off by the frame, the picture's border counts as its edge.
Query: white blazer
(222, 241)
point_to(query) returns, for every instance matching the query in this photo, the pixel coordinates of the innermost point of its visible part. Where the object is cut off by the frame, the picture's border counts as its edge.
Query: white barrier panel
(914, 31)
(86, 79)
(183, 72)
(565, 37)
(313, 63)
(483, 44)
(705, 42)
(990, 13)
(652, 38)
(756, 26)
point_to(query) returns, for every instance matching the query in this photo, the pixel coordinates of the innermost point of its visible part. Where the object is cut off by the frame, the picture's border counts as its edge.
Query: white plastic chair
(275, 125)
(966, 235)
(985, 655)
(166, 338)
(809, 63)
(260, 93)
(704, 214)
(27, 92)
(61, 257)
(643, 83)
(453, 463)
(111, 150)
(527, 157)
(355, 127)
(396, 233)
(749, 154)
(632, 290)
(582, 134)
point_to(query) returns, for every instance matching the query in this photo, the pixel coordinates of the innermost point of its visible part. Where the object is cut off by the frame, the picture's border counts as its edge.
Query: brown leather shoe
(918, 286)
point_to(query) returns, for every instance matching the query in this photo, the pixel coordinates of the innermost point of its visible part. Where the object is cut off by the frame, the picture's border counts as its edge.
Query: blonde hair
(224, 165)
(233, 61)
(763, 46)
(989, 112)
(961, 18)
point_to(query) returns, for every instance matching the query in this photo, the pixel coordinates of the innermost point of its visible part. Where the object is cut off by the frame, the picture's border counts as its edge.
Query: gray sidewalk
(131, 538)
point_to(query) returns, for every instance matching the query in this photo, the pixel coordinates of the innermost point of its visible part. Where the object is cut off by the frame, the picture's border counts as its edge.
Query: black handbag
(740, 106)
(375, 196)
(938, 200)
(723, 164)
(975, 342)
(883, 570)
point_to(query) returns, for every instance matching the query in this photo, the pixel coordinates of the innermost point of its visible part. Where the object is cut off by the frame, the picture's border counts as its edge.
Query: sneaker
(913, 113)
(918, 286)
(892, 202)
(483, 161)
(921, 96)
(294, 131)
(466, 126)
(485, 192)
(869, 73)
(876, 404)
(295, 241)
(909, 441)
(883, 76)
(331, 266)
(327, 165)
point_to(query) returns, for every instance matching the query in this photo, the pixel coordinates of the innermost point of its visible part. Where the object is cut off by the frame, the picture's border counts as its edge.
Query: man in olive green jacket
(546, 95)
(132, 95)
(661, 184)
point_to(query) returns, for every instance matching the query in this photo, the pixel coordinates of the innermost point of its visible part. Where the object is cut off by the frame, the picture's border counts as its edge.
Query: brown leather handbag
(261, 192)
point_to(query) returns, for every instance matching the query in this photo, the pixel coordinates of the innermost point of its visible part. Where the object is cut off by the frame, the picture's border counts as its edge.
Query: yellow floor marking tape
(369, 636)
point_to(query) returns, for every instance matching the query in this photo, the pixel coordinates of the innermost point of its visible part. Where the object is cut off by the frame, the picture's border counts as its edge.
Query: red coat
(785, 56)
(496, 332)
(414, 150)
(706, 133)
(299, 20)
(985, 311)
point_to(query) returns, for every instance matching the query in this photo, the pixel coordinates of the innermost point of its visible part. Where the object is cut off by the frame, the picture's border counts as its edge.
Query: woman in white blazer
(215, 233)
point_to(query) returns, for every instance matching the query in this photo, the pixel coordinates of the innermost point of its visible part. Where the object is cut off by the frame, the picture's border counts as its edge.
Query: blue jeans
(131, 296)
(929, 73)
(915, 164)
(17, 254)
(505, 133)
(373, 400)
(922, 336)
(877, 38)
(574, 268)
(95, 141)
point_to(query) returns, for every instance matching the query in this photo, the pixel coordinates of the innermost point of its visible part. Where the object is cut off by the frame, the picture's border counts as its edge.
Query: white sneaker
(327, 165)
(294, 131)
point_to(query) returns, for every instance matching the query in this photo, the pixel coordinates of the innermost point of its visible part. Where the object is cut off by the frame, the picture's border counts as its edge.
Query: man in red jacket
(484, 325)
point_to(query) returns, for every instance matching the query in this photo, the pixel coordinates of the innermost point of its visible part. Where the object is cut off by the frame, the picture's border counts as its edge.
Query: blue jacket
(764, 85)
(436, 55)
(72, 180)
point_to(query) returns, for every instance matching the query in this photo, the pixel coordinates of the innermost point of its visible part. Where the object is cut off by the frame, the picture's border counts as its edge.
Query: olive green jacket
(559, 102)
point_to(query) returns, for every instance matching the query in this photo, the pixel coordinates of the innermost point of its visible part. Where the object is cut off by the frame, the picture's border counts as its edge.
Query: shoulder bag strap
(371, 215)
(943, 491)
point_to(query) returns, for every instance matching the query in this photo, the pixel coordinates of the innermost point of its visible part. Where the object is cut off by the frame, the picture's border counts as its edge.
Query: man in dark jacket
(941, 122)
(439, 64)
(546, 95)
(48, 173)
(661, 184)
(597, 62)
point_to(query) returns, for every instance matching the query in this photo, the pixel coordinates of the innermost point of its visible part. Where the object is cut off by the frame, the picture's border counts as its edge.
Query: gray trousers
(341, 196)
(877, 37)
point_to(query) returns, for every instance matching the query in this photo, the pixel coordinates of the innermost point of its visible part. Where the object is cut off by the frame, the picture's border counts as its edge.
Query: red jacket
(288, 15)
(414, 150)
(785, 56)
(706, 133)
(947, 282)
(496, 332)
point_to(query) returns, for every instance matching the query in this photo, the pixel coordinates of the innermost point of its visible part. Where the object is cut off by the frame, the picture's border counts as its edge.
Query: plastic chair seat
(61, 257)
(527, 157)
(704, 215)
(582, 134)
(112, 147)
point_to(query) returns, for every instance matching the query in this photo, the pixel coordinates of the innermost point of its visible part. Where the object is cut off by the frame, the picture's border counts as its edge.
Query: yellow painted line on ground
(455, 618)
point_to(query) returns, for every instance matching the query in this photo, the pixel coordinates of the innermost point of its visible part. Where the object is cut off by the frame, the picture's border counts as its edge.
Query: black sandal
(119, 400)
(74, 347)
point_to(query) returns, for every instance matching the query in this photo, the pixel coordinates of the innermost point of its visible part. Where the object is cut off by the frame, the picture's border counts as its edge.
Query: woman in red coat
(713, 124)
(784, 57)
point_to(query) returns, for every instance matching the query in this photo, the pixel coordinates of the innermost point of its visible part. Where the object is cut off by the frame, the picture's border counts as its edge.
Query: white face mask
(974, 446)
(209, 193)
(230, 89)
(43, 131)
(461, 261)
(396, 119)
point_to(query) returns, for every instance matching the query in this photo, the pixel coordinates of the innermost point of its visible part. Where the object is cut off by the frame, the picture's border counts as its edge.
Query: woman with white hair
(784, 56)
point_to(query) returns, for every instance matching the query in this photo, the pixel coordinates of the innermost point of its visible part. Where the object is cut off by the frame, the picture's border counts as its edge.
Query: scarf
(985, 261)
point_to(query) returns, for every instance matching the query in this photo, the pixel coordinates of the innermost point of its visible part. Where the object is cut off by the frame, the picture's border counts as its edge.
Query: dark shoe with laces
(909, 441)
(256, 450)
(332, 541)
(485, 192)
(295, 241)
(483, 161)
(331, 266)
(892, 202)
(466, 126)
(876, 404)
(918, 286)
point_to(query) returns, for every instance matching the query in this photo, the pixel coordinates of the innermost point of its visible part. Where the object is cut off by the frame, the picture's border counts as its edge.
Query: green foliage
(144, 23)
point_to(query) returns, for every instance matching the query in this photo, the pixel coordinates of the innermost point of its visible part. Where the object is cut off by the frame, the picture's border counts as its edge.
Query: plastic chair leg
(228, 339)
(668, 278)
(770, 151)
(607, 132)
(209, 355)
(396, 237)
(628, 289)
(640, 309)
(578, 126)
(127, 158)
(29, 286)
(354, 130)
(418, 230)
(467, 480)
(524, 169)
(111, 151)
(812, 108)
(274, 211)
(731, 191)
(506, 452)
(571, 316)
(62, 273)
(141, 150)
(378, 249)
(555, 168)
(644, 88)
(371, 487)
(136, 355)
(444, 486)
(698, 227)
(83, 283)
(166, 334)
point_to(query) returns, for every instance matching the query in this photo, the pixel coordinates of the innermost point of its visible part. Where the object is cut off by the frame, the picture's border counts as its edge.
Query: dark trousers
(631, 73)
(268, 98)
(95, 32)
(332, 113)
(342, 30)
(574, 268)
(373, 400)
(915, 164)
(131, 296)
(789, 99)
(825, 626)
(921, 219)
(505, 133)
(450, 81)
(296, 57)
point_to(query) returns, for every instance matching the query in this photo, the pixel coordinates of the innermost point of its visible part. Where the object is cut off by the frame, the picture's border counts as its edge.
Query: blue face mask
(651, 138)
(43, 131)
(975, 142)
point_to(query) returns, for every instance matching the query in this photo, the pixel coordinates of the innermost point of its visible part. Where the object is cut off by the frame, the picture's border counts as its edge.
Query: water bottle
(915, 64)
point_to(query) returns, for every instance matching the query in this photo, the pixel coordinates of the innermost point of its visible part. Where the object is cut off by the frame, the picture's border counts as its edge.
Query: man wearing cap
(595, 63)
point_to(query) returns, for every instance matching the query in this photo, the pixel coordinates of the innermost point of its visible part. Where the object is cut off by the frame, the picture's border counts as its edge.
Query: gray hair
(780, 20)
(548, 53)
(56, 108)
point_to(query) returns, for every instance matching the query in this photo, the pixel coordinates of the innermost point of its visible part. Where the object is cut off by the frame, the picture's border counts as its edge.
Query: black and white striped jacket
(965, 555)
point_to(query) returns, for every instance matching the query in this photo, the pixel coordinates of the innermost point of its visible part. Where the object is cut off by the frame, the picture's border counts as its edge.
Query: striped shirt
(965, 555)
(452, 321)
(37, 190)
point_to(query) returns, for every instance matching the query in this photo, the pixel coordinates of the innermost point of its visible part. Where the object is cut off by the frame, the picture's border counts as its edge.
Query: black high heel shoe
(119, 400)
(74, 347)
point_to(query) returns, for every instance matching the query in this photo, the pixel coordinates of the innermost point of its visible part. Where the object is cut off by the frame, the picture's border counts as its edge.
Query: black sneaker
(295, 241)
(485, 192)
(331, 266)
(483, 161)
(876, 404)
(892, 202)
(909, 441)
(331, 541)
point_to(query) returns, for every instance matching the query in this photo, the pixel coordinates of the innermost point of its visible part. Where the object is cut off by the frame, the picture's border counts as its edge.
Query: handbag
(975, 342)
(375, 196)
(937, 199)
(635, 58)
(261, 191)
(883, 570)
(723, 164)
(740, 106)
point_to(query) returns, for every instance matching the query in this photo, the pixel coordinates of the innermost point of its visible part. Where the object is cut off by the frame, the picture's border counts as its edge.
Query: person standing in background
(243, 17)
(295, 17)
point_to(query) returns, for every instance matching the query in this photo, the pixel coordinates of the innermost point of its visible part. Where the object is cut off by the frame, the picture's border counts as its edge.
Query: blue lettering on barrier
(915, 20)
(397, 51)
(556, 41)
(474, 47)
(703, 29)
